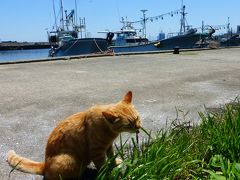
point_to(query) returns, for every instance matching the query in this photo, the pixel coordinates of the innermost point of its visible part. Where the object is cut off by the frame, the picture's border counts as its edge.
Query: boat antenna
(118, 12)
(144, 22)
(55, 17)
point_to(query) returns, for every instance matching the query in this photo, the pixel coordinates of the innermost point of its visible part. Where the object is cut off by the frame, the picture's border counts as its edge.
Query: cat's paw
(118, 161)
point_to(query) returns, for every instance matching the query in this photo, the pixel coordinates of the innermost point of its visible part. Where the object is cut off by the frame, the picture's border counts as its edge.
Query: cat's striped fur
(80, 139)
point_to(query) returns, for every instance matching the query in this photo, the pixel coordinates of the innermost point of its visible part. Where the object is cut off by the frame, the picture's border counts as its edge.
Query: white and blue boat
(127, 40)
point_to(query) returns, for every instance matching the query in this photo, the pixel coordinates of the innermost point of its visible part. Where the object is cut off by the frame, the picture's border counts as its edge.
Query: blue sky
(27, 20)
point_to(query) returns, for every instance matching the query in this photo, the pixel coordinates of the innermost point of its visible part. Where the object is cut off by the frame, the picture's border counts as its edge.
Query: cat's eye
(131, 124)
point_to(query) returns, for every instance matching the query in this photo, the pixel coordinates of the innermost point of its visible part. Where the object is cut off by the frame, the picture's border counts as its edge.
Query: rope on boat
(98, 46)
(77, 41)
(103, 52)
(71, 46)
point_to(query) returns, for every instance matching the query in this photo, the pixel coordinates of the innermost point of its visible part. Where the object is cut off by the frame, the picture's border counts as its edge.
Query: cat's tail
(25, 165)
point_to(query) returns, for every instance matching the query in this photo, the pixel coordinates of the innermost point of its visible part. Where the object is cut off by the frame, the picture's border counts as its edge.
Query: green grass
(210, 150)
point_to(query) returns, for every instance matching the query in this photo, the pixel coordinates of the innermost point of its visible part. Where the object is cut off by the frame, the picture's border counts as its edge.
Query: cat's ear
(110, 117)
(128, 97)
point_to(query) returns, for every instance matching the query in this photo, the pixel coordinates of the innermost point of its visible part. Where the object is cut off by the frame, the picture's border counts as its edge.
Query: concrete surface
(35, 96)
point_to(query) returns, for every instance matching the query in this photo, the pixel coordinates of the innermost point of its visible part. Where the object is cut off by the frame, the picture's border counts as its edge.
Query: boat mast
(62, 14)
(228, 26)
(202, 26)
(183, 19)
(144, 23)
(55, 17)
(75, 12)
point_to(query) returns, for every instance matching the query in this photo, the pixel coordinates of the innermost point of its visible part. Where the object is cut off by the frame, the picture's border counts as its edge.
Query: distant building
(161, 36)
(238, 29)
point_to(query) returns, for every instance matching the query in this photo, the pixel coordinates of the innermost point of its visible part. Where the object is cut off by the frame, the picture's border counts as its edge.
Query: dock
(36, 96)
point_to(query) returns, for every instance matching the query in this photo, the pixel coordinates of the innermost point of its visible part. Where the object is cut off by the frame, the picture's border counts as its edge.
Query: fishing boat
(230, 39)
(65, 40)
(226, 39)
(233, 40)
(127, 39)
(125, 42)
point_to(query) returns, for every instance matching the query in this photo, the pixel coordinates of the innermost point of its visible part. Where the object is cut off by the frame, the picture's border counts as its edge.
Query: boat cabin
(128, 37)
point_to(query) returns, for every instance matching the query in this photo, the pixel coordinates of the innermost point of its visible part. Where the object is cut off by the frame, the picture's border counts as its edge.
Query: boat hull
(231, 42)
(181, 41)
(80, 47)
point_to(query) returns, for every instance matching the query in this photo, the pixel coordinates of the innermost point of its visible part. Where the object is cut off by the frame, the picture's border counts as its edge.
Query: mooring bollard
(176, 50)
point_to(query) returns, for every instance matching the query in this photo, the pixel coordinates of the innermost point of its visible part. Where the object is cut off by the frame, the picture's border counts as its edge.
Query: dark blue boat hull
(234, 41)
(182, 41)
(81, 47)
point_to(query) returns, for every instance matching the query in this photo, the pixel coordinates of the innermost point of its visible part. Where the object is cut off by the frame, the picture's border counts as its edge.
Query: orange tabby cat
(80, 139)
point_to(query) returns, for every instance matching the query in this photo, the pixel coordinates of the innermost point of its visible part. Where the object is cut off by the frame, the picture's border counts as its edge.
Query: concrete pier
(34, 97)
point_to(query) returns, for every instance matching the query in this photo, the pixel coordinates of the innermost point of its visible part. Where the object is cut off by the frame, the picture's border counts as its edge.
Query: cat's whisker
(137, 138)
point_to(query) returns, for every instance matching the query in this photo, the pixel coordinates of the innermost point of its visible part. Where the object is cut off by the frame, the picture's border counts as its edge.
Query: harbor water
(18, 55)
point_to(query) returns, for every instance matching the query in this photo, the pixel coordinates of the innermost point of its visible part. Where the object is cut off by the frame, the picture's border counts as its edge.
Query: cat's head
(123, 117)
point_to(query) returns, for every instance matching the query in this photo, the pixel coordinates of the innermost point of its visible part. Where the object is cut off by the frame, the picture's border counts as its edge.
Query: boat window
(120, 35)
(131, 34)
